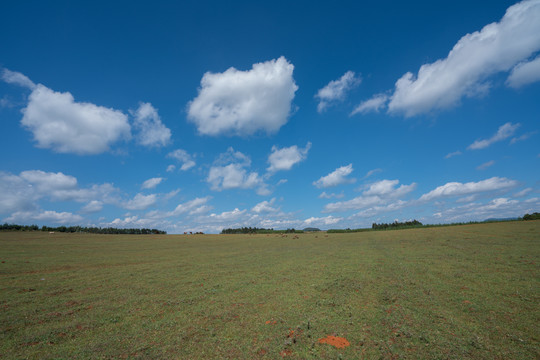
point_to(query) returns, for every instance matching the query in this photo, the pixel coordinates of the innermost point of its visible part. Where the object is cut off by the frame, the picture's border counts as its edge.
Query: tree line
(81, 229)
(533, 216)
(255, 230)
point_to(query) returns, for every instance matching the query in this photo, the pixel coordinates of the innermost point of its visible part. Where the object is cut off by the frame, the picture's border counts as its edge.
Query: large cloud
(459, 189)
(285, 158)
(48, 216)
(336, 90)
(498, 47)
(244, 102)
(151, 131)
(65, 126)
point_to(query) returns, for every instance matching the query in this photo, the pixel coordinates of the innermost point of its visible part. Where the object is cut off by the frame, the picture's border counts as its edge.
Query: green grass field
(461, 292)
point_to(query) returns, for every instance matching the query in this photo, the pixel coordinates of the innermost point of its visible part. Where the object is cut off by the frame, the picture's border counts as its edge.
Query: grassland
(463, 292)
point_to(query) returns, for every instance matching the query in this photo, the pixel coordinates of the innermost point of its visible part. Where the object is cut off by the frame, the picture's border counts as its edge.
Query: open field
(437, 293)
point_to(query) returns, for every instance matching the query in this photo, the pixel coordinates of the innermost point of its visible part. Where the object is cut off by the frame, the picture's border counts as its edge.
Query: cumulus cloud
(27, 217)
(225, 176)
(151, 131)
(504, 132)
(285, 158)
(244, 102)
(151, 183)
(265, 207)
(459, 189)
(140, 202)
(336, 90)
(474, 58)
(376, 103)
(65, 126)
(183, 157)
(16, 78)
(336, 177)
(525, 73)
(322, 221)
(23, 192)
(376, 195)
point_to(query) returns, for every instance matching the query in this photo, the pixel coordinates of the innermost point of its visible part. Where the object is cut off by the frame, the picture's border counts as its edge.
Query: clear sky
(204, 115)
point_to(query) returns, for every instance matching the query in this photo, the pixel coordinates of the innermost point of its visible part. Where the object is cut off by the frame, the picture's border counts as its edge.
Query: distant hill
(312, 229)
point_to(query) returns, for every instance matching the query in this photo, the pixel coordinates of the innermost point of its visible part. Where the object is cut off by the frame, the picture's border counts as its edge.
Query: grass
(464, 292)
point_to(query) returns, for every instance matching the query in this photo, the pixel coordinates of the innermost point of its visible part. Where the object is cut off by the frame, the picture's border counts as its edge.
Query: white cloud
(285, 158)
(525, 73)
(336, 90)
(244, 102)
(13, 77)
(498, 47)
(23, 192)
(265, 207)
(377, 195)
(337, 177)
(27, 217)
(387, 188)
(194, 206)
(504, 132)
(223, 176)
(321, 221)
(227, 215)
(151, 131)
(151, 183)
(452, 154)
(183, 157)
(324, 195)
(376, 103)
(523, 192)
(485, 165)
(170, 168)
(140, 202)
(372, 172)
(92, 207)
(522, 137)
(65, 126)
(460, 189)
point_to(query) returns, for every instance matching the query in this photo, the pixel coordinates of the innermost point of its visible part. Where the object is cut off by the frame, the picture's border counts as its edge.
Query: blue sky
(199, 116)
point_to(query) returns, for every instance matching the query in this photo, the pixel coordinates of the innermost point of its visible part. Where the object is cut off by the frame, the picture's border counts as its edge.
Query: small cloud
(452, 154)
(324, 195)
(372, 172)
(183, 157)
(374, 104)
(485, 165)
(285, 158)
(504, 132)
(140, 202)
(92, 207)
(522, 137)
(16, 78)
(151, 183)
(171, 168)
(151, 131)
(337, 177)
(336, 90)
(523, 192)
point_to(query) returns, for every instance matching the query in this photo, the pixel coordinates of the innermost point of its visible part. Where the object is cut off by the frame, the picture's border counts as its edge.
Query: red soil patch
(286, 352)
(274, 322)
(466, 302)
(336, 341)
